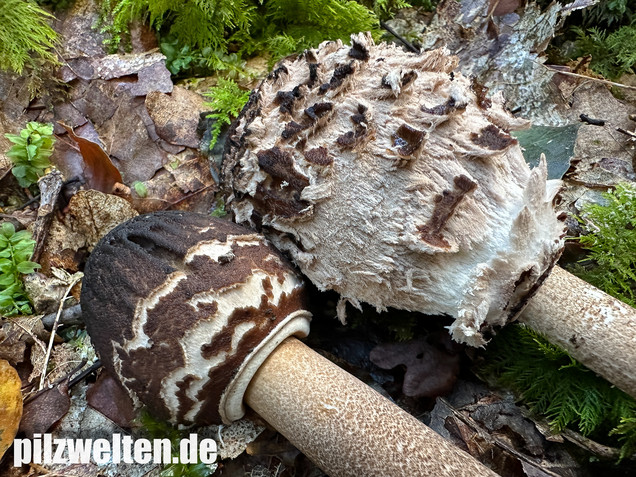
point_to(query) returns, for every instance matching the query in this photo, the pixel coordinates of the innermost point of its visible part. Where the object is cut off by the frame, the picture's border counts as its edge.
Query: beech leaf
(99, 171)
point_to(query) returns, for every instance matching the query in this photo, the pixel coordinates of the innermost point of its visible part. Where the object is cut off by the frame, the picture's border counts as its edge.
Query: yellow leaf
(10, 405)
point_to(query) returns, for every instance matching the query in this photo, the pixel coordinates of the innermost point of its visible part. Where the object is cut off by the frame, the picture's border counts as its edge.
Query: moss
(611, 242)
(26, 38)
(218, 34)
(227, 100)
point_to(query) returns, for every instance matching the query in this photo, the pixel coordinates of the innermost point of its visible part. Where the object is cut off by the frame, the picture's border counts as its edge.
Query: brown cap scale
(392, 179)
(196, 315)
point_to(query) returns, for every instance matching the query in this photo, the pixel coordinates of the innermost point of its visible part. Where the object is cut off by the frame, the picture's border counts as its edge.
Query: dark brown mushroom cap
(177, 304)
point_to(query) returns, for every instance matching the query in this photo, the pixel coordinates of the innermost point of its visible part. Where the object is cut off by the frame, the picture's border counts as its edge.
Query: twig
(91, 369)
(67, 377)
(470, 422)
(406, 43)
(33, 199)
(70, 316)
(576, 75)
(631, 134)
(74, 279)
(30, 333)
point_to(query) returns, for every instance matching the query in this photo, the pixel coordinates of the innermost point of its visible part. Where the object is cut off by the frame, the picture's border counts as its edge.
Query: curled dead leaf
(99, 171)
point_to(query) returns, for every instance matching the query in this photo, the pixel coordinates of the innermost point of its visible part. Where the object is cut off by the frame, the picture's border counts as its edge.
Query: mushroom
(392, 179)
(197, 316)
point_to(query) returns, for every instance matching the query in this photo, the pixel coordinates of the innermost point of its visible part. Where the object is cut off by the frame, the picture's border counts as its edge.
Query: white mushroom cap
(393, 180)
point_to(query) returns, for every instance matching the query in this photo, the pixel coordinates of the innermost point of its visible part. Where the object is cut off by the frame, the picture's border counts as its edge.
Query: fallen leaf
(89, 216)
(107, 396)
(10, 405)
(430, 371)
(184, 183)
(45, 409)
(99, 171)
(18, 332)
(176, 115)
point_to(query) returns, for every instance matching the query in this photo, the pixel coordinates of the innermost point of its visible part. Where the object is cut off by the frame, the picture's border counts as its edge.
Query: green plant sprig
(31, 152)
(15, 250)
(611, 263)
(26, 39)
(227, 101)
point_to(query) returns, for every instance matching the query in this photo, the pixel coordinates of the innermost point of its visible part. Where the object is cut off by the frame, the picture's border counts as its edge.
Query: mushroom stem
(344, 426)
(595, 328)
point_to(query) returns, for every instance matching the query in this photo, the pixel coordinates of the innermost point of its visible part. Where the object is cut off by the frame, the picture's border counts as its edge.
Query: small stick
(576, 75)
(70, 316)
(631, 134)
(406, 43)
(75, 278)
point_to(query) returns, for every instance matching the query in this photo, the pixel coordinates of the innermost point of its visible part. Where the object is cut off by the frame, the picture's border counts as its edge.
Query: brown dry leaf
(99, 171)
(111, 399)
(45, 409)
(90, 215)
(10, 405)
(430, 371)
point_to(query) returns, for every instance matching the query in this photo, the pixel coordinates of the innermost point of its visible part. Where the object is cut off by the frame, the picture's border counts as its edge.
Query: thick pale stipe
(595, 328)
(344, 426)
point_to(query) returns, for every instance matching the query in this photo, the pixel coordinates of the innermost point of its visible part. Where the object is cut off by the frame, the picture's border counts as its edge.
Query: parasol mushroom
(392, 179)
(196, 315)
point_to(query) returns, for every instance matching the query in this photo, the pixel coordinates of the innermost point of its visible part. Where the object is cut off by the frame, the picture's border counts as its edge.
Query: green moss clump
(26, 39)
(613, 52)
(210, 32)
(227, 101)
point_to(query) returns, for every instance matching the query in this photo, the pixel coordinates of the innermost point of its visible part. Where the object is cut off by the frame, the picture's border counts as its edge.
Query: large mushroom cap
(183, 308)
(393, 179)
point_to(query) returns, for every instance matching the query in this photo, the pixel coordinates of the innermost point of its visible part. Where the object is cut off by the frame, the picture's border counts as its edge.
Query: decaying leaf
(90, 215)
(430, 370)
(18, 332)
(99, 171)
(45, 409)
(185, 184)
(176, 115)
(107, 396)
(10, 405)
